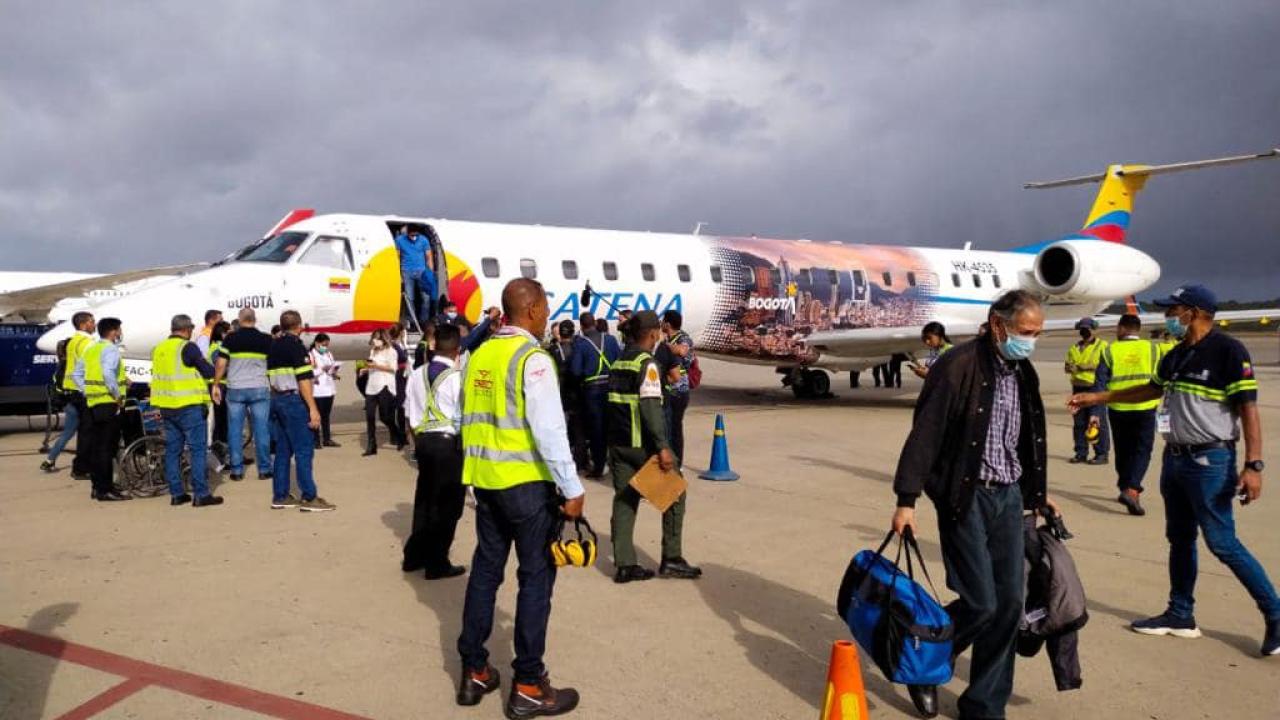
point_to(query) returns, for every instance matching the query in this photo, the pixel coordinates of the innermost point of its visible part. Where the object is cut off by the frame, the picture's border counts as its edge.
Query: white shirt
(379, 379)
(448, 399)
(545, 414)
(325, 367)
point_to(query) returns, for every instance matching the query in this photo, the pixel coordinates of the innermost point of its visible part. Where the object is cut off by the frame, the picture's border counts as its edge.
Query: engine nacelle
(1094, 270)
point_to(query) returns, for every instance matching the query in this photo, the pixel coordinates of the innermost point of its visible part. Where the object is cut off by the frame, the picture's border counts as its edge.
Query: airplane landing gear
(808, 383)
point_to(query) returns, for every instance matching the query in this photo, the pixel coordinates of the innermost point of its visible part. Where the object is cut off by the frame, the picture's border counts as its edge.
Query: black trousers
(220, 419)
(674, 407)
(437, 501)
(104, 438)
(381, 406)
(983, 554)
(325, 406)
(83, 461)
(1133, 432)
(595, 400)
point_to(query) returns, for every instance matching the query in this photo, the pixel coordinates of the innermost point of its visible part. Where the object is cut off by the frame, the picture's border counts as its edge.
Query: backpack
(695, 375)
(904, 629)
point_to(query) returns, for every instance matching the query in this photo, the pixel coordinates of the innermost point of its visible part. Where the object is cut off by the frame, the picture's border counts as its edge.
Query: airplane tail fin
(1108, 219)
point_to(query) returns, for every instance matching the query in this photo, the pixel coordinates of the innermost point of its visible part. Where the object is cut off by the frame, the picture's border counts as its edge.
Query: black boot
(925, 698)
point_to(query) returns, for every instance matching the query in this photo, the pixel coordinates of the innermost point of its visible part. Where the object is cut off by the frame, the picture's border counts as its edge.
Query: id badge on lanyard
(1164, 420)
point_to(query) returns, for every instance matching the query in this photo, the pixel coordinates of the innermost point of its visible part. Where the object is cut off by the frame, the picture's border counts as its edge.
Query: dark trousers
(104, 437)
(1080, 423)
(325, 406)
(674, 407)
(1134, 433)
(437, 501)
(381, 406)
(220, 419)
(525, 515)
(624, 463)
(982, 551)
(595, 399)
(83, 461)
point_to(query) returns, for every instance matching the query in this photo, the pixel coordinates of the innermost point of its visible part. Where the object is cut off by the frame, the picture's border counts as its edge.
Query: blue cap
(1194, 296)
(1087, 323)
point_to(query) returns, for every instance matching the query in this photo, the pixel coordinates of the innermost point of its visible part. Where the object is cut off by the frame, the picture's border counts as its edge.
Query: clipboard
(661, 489)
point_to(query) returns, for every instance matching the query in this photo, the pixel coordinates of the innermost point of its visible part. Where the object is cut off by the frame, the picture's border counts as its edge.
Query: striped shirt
(1000, 464)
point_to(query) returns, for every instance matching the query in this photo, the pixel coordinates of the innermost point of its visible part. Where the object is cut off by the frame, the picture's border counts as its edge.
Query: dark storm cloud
(178, 132)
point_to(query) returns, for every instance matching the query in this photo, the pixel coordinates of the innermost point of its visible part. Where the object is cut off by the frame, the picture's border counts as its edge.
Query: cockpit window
(275, 249)
(327, 251)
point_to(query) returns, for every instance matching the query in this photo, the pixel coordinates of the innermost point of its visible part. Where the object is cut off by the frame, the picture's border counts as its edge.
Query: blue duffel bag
(904, 629)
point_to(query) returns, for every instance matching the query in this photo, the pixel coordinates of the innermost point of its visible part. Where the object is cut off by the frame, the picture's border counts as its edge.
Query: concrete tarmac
(241, 611)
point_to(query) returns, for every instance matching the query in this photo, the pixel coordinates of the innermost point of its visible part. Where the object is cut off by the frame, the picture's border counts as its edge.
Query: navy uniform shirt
(288, 362)
(1204, 385)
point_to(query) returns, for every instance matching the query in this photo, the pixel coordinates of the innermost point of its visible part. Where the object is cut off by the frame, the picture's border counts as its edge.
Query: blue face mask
(1018, 347)
(1175, 327)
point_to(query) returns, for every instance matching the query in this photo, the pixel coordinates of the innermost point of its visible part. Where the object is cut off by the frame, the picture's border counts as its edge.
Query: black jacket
(943, 452)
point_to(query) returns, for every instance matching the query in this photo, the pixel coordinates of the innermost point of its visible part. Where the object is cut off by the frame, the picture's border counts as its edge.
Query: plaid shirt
(1000, 463)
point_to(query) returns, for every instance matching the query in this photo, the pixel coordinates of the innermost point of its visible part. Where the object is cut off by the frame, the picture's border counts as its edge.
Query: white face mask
(378, 344)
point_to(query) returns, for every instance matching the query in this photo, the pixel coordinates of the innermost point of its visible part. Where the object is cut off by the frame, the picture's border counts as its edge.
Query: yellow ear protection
(577, 553)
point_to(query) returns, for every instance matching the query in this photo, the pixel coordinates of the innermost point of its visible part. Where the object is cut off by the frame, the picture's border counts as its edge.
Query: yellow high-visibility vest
(95, 384)
(75, 350)
(1086, 360)
(498, 448)
(434, 418)
(173, 384)
(1133, 363)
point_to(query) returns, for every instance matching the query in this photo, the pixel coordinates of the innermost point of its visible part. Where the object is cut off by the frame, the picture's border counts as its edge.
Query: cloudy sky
(134, 134)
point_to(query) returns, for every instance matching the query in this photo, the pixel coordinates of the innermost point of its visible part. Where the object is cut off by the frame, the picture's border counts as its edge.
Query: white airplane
(801, 306)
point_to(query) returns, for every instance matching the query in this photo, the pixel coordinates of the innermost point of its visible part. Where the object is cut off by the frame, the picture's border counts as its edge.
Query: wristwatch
(1255, 465)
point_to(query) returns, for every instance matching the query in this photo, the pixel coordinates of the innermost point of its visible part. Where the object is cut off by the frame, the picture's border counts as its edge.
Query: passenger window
(611, 271)
(804, 277)
(330, 252)
(716, 274)
(489, 266)
(570, 269)
(858, 278)
(995, 280)
(911, 279)
(888, 279)
(646, 272)
(832, 278)
(955, 279)
(977, 280)
(528, 269)
(775, 276)
(683, 272)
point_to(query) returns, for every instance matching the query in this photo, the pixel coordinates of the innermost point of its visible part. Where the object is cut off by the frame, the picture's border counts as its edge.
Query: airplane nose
(48, 342)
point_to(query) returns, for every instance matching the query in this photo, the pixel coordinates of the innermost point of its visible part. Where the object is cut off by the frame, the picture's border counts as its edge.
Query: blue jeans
(186, 427)
(526, 516)
(70, 423)
(257, 402)
(982, 552)
(1198, 492)
(418, 290)
(293, 438)
(1080, 423)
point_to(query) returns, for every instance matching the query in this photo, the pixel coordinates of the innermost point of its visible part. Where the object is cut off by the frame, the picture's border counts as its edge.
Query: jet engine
(1094, 270)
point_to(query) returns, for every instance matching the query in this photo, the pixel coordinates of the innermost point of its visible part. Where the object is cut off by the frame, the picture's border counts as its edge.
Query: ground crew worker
(205, 337)
(219, 402)
(515, 454)
(432, 401)
(242, 364)
(934, 337)
(1208, 388)
(74, 418)
(593, 352)
(293, 416)
(1128, 362)
(178, 388)
(637, 431)
(1082, 364)
(561, 349)
(101, 374)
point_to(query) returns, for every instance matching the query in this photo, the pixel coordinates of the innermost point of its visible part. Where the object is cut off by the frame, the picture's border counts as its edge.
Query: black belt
(995, 483)
(1177, 449)
(284, 392)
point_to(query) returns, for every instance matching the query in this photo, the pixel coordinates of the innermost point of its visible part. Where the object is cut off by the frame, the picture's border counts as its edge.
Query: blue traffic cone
(719, 469)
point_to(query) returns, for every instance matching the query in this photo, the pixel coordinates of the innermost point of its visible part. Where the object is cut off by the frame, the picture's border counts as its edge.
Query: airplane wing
(34, 304)
(1156, 319)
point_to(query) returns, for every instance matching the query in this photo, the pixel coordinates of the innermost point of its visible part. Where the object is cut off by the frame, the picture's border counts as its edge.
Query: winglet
(1148, 170)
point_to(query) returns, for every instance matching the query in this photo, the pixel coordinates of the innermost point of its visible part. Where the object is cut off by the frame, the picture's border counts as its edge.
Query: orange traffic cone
(846, 699)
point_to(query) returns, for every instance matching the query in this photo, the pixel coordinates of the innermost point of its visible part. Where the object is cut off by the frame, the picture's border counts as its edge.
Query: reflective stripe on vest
(498, 448)
(173, 384)
(1132, 363)
(214, 349)
(631, 400)
(285, 379)
(1088, 356)
(75, 350)
(434, 418)
(95, 384)
(602, 363)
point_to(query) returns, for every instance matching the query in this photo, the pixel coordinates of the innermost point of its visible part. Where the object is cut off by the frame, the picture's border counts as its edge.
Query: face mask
(451, 315)
(1084, 334)
(1018, 347)
(377, 343)
(322, 349)
(118, 341)
(1175, 327)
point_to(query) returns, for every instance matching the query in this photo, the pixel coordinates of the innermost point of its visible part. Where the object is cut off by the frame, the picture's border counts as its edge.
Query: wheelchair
(142, 460)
